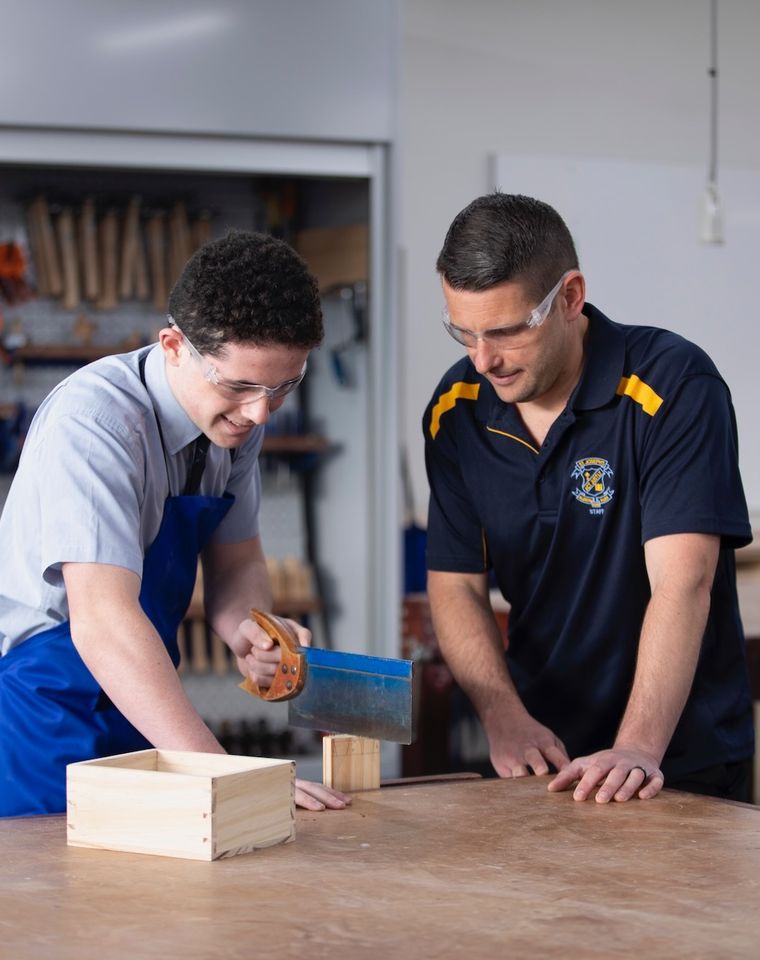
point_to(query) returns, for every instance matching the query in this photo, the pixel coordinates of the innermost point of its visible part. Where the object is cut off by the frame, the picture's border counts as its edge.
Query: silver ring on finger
(646, 775)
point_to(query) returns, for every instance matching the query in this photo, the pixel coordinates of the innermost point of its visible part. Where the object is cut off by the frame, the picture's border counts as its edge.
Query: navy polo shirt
(645, 447)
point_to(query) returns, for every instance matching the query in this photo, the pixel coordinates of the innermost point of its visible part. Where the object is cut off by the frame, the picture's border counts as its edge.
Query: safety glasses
(239, 390)
(512, 335)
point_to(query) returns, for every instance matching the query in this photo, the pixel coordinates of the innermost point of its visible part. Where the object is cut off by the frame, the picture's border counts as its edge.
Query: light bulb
(711, 225)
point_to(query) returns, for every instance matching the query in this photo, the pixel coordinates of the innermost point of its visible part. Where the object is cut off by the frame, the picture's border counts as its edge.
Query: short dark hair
(503, 236)
(247, 288)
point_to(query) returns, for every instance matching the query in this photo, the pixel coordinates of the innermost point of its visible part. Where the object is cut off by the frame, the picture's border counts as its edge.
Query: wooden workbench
(483, 868)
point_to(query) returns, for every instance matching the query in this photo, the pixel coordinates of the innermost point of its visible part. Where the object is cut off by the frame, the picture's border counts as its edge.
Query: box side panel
(254, 809)
(139, 812)
(211, 764)
(139, 760)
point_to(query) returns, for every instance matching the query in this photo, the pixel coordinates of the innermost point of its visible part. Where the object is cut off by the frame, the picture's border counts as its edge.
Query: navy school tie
(194, 474)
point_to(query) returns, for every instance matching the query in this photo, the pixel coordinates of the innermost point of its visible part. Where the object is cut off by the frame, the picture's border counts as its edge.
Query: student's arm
(470, 642)
(681, 568)
(125, 654)
(235, 579)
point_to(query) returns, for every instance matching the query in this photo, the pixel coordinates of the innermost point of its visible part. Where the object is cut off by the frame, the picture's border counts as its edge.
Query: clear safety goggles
(512, 335)
(239, 390)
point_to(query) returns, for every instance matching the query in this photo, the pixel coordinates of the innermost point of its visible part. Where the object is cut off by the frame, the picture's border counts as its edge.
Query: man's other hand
(619, 774)
(519, 745)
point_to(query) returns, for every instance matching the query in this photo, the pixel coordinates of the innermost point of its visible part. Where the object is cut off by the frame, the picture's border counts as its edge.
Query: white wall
(320, 70)
(614, 79)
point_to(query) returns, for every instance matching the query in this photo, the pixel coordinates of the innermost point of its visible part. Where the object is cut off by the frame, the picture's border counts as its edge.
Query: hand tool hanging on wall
(141, 284)
(88, 250)
(35, 249)
(220, 662)
(199, 660)
(156, 233)
(339, 692)
(64, 226)
(200, 232)
(353, 300)
(180, 247)
(129, 241)
(48, 265)
(108, 233)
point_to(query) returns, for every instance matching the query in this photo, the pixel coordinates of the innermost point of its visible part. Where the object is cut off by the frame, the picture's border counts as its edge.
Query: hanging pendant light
(711, 226)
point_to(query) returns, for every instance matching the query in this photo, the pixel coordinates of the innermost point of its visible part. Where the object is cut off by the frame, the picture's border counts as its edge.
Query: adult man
(592, 467)
(132, 467)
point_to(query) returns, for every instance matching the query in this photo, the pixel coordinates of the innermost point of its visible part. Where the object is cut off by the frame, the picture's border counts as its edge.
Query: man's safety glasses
(510, 336)
(239, 390)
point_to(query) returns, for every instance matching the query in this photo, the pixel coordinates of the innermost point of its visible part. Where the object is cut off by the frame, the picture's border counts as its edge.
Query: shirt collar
(604, 361)
(176, 426)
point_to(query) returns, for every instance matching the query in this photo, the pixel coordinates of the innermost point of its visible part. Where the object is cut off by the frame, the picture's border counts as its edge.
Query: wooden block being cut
(196, 806)
(350, 763)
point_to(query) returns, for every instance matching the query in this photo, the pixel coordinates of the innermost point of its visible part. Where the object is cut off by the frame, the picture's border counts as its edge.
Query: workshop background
(356, 129)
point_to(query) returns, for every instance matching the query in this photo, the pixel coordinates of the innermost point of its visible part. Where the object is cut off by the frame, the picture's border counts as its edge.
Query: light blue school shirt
(92, 482)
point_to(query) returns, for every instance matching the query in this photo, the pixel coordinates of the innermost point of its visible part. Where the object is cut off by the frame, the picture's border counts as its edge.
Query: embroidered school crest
(594, 476)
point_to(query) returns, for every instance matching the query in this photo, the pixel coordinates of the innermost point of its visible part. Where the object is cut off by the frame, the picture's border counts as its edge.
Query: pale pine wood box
(198, 806)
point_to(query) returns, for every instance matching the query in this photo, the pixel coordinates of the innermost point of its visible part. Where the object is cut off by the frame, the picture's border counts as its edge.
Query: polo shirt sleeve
(90, 481)
(690, 480)
(244, 483)
(455, 539)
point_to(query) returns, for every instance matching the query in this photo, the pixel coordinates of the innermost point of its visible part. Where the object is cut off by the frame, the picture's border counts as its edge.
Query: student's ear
(171, 341)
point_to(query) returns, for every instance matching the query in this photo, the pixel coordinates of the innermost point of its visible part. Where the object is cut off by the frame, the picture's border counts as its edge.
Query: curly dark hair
(501, 237)
(247, 288)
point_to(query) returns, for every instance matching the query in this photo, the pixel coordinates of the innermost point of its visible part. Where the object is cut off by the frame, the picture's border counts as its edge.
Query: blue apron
(52, 710)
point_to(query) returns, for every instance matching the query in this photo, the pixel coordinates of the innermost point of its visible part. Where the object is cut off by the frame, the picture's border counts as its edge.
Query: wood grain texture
(350, 763)
(157, 259)
(88, 249)
(170, 803)
(130, 237)
(480, 869)
(49, 263)
(108, 236)
(69, 259)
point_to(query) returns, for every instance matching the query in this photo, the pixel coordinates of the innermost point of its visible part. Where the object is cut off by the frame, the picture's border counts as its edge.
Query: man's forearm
(671, 638)
(681, 569)
(469, 639)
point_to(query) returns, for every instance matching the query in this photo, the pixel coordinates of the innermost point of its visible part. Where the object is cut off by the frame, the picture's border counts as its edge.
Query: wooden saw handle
(291, 673)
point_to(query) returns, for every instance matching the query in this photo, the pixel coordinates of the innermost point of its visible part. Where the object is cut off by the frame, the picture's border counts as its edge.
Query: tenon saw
(339, 692)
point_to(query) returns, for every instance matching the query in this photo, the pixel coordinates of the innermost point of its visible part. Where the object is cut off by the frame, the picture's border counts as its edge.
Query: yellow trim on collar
(460, 391)
(640, 393)
(513, 437)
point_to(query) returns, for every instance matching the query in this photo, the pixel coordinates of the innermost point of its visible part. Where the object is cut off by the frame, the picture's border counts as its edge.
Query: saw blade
(357, 694)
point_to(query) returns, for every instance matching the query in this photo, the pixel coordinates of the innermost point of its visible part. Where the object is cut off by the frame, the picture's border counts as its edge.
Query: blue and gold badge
(594, 476)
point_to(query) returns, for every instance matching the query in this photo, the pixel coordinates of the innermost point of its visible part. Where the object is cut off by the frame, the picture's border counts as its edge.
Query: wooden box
(199, 806)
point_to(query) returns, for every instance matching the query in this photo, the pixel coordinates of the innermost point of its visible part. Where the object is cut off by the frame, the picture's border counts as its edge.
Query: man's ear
(575, 295)
(171, 341)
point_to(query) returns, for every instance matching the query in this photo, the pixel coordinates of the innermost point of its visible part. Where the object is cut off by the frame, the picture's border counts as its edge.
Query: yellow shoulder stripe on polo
(446, 401)
(640, 393)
